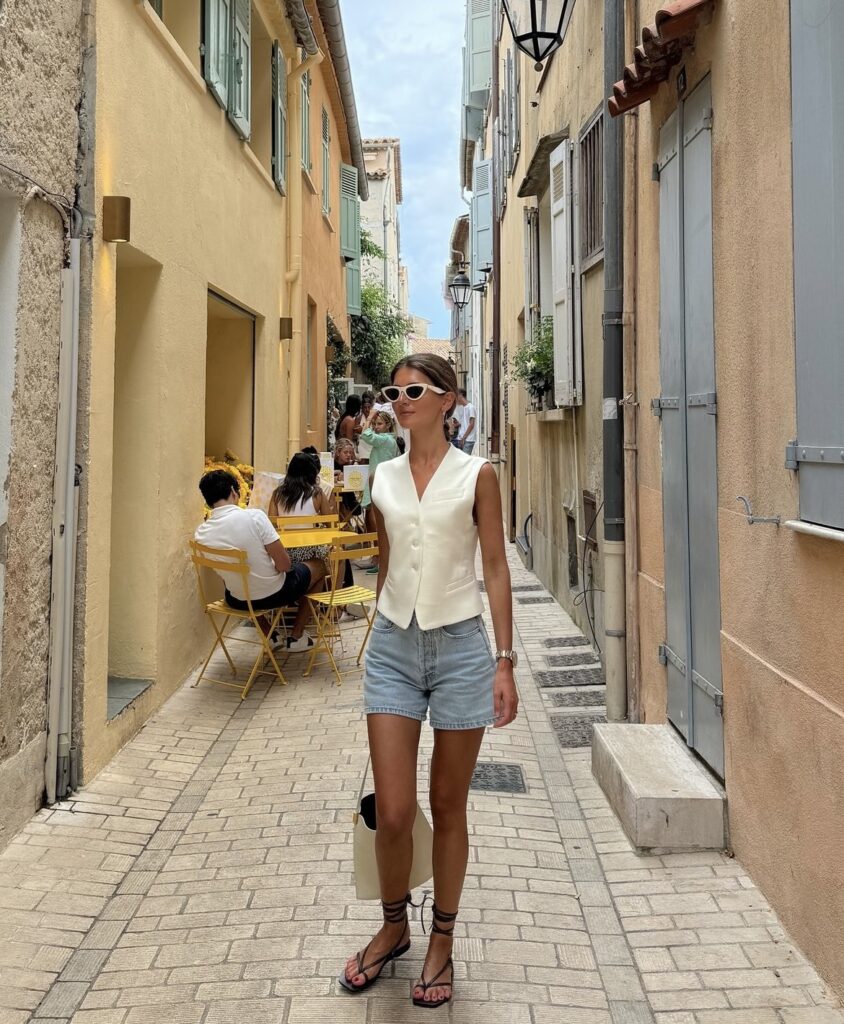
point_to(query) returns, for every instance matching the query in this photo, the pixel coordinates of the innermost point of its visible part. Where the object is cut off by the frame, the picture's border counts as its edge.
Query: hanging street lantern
(459, 290)
(537, 26)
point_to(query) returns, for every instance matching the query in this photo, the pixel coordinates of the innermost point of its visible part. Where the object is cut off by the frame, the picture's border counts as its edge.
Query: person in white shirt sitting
(274, 581)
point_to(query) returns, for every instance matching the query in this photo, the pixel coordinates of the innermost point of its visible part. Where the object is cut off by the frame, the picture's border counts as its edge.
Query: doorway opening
(229, 382)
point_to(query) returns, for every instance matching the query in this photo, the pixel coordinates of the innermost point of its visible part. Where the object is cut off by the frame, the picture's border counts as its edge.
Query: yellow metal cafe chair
(326, 607)
(220, 615)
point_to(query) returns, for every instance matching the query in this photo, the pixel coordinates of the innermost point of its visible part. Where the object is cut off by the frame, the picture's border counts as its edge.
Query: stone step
(664, 798)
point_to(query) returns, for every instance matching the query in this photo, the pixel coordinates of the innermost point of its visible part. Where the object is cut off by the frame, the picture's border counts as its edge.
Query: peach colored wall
(781, 593)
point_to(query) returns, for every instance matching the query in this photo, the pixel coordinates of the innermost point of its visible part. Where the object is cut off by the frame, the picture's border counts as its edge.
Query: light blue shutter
(216, 48)
(240, 90)
(350, 235)
(817, 91)
(564, 374)
(479, 44)
(279, 119)
(481, 220)
(306, 121)
(326, 162)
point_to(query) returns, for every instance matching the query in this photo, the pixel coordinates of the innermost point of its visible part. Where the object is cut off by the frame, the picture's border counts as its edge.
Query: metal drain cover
(570, 677)
(575, 730)
(535, 600)
(566, 641)
(494, 776)
(520, 588)
(578, 699)
(585, 657)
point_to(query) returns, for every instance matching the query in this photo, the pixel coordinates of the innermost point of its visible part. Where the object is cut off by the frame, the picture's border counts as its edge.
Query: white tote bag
(367, 884)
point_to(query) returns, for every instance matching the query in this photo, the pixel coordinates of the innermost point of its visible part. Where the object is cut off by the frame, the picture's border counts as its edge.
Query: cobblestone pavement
(205, 878)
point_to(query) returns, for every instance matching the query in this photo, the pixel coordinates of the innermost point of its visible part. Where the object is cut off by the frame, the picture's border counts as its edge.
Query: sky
(406, 58)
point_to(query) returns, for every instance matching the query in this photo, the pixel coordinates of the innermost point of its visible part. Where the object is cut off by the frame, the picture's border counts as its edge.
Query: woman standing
(346, 426)
(429, 651)
(367, 403)
(378, 433)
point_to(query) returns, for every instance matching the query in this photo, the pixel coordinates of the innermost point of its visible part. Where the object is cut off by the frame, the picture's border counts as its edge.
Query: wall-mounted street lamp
(460, 289)
(537, 26)
(117, 218)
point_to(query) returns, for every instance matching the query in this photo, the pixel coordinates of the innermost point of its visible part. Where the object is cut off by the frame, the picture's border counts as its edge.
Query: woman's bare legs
(454, 759)
(393, 743)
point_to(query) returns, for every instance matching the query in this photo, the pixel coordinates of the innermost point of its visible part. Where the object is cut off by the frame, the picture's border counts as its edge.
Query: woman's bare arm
(497, 582)
(383, 550)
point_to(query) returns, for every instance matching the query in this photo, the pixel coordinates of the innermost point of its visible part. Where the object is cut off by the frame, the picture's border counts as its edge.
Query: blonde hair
(343, 442)
(384, 417)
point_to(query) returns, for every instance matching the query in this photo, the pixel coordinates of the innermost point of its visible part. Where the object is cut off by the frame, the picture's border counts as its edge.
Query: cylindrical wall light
(117, 218)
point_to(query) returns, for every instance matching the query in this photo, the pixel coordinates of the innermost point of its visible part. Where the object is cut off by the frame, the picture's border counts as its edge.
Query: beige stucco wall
(39, 127)
(781, 593)
(550, 478)
(205, 212)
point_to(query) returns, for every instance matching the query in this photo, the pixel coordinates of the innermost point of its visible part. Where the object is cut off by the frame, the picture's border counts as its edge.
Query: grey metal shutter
(817, 92)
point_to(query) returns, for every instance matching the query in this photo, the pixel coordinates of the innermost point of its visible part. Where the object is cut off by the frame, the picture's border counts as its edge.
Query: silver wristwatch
(510, 655)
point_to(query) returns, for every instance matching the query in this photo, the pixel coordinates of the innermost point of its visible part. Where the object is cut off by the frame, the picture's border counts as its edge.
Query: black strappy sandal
(393, 914)
(435, 982)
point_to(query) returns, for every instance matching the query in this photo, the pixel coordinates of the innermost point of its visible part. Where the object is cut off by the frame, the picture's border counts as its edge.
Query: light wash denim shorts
(449, 670)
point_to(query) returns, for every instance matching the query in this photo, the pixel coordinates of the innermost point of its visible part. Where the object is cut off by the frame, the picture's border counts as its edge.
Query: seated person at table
(344, 455)
(274, 581)
(299, 494)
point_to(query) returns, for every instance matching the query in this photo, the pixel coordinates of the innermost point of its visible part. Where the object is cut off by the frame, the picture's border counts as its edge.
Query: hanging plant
(533, 363)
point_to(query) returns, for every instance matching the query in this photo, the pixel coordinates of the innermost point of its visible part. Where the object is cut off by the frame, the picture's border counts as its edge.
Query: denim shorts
(449, 670)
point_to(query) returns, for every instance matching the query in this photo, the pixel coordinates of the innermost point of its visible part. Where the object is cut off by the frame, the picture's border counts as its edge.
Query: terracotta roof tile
(662, 47)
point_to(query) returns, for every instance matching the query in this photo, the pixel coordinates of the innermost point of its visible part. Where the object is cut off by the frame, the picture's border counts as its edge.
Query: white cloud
(406, 68)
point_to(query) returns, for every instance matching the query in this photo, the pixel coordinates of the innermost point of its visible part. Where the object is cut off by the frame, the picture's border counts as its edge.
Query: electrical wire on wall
(585, 592)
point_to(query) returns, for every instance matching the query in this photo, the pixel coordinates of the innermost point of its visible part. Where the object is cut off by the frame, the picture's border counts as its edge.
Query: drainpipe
(631, 405)
(614, 549)
(295, 237)
(495, 353)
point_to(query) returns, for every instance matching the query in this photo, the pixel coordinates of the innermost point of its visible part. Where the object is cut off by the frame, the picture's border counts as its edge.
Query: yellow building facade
(208, 326)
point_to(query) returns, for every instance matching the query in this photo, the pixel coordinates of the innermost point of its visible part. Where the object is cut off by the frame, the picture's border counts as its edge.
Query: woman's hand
(505, 694)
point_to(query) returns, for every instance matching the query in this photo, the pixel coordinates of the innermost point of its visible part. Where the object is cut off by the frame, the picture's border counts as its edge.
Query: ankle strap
(441, 916)
(395, 912)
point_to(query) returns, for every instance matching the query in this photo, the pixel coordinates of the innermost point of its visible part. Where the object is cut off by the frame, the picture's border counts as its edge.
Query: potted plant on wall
(533, 364)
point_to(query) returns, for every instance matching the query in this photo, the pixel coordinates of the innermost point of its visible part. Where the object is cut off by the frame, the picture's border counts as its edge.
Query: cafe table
(313, 538)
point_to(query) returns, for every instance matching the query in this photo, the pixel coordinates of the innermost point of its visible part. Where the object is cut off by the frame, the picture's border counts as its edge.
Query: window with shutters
(511, 105)
(279, 142)
(533, 311)
(184, 23)
(350, 235)
(240, 89)
(305, 139)
(817, 100)
(592, 189)
(479, 48)
(499, 160)
(326, 162)
(227, 57)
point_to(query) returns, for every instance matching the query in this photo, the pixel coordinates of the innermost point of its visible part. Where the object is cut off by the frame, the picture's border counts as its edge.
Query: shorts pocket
(466, 628)
(381, 624)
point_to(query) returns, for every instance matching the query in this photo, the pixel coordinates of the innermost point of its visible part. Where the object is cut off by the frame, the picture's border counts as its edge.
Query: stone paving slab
(205, 877)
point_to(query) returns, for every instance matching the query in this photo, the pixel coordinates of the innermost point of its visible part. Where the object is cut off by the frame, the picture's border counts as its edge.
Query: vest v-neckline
(420, 497)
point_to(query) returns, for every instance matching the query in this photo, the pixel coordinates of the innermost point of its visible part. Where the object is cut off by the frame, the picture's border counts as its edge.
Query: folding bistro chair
(325, 606)
(232, 560)
(289, 523)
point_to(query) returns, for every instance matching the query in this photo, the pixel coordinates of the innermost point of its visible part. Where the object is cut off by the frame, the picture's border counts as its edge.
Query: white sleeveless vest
(432, 542)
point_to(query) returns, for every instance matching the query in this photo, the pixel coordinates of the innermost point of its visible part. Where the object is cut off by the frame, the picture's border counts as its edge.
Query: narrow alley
(204, 877)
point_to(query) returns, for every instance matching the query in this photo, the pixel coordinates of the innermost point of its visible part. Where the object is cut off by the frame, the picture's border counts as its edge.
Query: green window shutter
(240, 84)
(353, 287)
(279, 119)
(216, 48)
(326, 162)
(481, 219)
(479, 45)
(306, 121)
(349, 213)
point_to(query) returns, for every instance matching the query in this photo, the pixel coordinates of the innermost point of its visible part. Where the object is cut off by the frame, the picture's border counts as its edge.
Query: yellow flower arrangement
(236, 471)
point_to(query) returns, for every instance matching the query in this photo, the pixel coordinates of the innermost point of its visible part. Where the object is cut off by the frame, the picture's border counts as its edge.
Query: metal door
(691, 652)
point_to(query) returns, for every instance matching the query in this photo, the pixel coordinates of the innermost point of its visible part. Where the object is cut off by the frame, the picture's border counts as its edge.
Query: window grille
(592, 190)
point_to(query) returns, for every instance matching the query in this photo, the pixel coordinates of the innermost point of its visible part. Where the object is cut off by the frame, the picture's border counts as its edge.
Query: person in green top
(379, 433)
